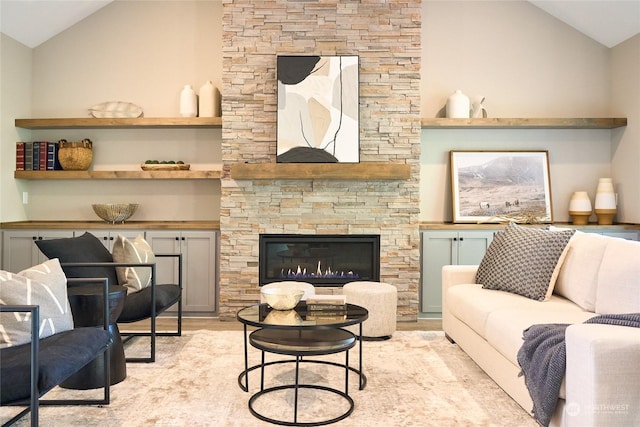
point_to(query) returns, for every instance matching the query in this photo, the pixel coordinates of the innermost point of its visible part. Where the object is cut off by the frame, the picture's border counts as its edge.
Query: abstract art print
(500, 186)
(318, 109)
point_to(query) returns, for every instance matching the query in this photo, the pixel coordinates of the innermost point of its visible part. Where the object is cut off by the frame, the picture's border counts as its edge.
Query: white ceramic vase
(458, 106)
(606, 203)
(205, 100)
(188, 102)
(580, 208)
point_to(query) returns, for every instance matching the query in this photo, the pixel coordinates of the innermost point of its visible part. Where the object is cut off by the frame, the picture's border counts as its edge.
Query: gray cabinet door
(444, 247)
(199, 249)
(629, 235)
(439, 248)
(108, 237)
(199, 261)
(20, 251)
(472, 246)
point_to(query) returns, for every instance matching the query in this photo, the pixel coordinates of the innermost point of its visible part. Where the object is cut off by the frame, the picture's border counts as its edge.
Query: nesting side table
(299, 333)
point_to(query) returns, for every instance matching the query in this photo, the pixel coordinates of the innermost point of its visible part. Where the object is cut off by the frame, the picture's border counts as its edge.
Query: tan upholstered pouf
(381, 299)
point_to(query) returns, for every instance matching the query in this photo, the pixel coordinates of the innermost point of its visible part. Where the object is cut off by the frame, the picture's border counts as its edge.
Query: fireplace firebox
(322, 260)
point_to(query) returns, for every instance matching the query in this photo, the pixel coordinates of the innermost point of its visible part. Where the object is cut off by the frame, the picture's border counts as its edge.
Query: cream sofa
(598, 275)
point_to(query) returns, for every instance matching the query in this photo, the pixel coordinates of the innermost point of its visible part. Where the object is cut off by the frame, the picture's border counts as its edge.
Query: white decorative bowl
(115, 212)
(115, 109)
(282, 299)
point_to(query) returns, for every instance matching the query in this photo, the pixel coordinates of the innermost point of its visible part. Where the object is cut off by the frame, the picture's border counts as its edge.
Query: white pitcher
(477, 109)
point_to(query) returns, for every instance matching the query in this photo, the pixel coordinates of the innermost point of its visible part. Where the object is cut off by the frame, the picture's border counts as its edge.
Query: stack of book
(326, 308)
(37, 156)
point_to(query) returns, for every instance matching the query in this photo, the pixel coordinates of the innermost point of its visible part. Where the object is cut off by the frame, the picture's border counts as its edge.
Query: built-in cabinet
(447, 247)
(452, 246)
(199, 265)
(20, 251)
(108, 237)
(199, 249)
(622, 234)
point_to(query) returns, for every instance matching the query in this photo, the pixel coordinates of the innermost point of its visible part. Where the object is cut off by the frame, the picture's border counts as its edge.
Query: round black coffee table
(87, 307)
(299, 333)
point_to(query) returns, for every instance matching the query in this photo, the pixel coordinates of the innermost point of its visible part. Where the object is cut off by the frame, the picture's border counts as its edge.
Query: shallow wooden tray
(165, 167)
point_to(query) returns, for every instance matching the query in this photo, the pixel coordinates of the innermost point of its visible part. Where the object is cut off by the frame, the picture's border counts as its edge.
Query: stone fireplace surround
(386, 37)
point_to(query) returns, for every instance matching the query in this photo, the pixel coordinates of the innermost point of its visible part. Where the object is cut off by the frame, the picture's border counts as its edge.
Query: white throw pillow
(133, 251)
(578, 278)
(44, 285)
(619, 278)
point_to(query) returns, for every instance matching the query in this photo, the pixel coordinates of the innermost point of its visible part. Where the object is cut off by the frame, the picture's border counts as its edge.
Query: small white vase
(188, 102)
(606, 203)
(205, 100)
(458, 106)
(580, 207)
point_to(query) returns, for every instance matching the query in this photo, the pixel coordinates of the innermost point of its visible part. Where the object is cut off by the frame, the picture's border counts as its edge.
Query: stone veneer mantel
(349, 171)
(379, 195)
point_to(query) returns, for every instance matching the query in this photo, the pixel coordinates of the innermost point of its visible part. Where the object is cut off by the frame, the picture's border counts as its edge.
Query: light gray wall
(15, 101)
(625, 148)
(141, 52)
(525, 62)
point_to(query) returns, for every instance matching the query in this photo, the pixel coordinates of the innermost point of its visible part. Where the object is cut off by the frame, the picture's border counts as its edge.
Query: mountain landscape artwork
(500, 186)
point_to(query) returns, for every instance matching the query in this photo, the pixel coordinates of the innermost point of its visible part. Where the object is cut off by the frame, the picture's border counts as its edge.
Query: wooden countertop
(102, 225)
(425, 225)
(215, 225)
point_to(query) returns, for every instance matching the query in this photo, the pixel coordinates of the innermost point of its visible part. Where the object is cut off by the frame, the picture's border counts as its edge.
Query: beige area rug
(414, 379)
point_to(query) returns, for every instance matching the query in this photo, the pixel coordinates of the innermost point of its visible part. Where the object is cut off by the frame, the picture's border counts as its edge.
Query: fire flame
(301, 273)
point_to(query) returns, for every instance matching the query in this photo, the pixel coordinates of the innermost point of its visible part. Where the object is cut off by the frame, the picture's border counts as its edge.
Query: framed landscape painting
(500, 186)
(318, 109)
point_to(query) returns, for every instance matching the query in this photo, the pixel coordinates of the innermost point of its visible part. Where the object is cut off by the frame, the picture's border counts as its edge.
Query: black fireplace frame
(373, 239)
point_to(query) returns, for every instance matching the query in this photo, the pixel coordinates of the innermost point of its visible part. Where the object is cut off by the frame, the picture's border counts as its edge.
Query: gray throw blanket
(543, 358)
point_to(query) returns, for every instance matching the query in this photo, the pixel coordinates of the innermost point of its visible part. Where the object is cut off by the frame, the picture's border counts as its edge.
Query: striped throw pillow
(133, 251)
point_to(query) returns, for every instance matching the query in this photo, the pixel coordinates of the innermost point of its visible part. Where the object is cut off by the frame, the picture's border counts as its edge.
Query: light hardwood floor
(215, 324)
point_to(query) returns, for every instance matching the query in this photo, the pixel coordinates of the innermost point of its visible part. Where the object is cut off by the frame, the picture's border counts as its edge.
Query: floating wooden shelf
(524, 123)
(216, 122)
(349, 171)
(120, 123)
(180, 174)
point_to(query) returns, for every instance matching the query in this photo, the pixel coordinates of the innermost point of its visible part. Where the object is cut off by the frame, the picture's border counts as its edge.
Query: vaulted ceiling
(33, 22)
